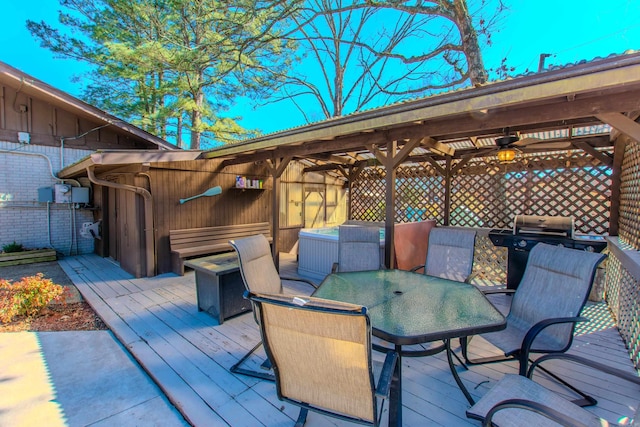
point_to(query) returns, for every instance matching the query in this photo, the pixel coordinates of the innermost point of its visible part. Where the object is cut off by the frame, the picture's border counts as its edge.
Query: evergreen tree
(169, 64)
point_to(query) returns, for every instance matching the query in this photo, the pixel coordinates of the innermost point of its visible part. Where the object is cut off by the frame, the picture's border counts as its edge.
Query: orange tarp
(410, 243)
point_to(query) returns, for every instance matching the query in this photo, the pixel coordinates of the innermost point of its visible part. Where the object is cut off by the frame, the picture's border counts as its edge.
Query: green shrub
(12, 247)
(26, 297)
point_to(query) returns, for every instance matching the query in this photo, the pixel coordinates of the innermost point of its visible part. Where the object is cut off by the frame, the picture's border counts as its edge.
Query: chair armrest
(417, 267)
(470, 278)
(498, 291)
(536, 407)
(297, 279)
(384, 381)
(590, 363)
(533, 332)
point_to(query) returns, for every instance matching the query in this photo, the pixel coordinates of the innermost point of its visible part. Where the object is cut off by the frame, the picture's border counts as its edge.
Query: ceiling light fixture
(506, 155)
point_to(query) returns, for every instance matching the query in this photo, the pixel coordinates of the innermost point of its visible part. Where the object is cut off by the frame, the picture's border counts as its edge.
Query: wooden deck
(189, 355)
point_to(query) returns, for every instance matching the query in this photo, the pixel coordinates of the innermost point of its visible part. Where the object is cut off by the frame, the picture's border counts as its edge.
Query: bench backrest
(192, 237)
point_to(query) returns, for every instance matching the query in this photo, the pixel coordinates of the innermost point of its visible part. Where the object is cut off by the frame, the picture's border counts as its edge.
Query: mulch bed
(70, 316)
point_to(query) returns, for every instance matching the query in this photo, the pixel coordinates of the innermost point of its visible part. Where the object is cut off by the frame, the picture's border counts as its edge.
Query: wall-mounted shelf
(245, 183)
(244, 188)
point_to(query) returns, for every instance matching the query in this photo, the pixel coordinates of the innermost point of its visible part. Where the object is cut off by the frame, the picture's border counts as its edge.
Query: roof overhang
(580, 95)
(38, 89)
(103, 161)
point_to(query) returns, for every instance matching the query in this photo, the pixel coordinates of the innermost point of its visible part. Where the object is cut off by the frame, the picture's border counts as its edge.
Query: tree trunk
(470, 45)
(179, 132)
(196, 120)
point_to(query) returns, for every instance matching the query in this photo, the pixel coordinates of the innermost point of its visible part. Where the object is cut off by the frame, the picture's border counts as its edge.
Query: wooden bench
(194, 242)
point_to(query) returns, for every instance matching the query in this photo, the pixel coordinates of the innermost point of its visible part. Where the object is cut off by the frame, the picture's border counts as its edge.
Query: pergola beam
(535, 118)
(437, 147)
(622, 123)
(332, 158)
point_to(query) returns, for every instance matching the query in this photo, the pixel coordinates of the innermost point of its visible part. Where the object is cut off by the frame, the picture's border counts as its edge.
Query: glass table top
(411, 308)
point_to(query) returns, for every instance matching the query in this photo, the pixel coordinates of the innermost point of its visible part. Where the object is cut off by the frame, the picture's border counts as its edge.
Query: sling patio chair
(321, 355)
(358, 249)
(259, 274)
(545, 307)
(519, 401)
(450, 254)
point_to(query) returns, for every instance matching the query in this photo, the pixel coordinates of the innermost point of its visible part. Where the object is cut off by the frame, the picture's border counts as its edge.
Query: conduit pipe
(148, 215)
(44, 156)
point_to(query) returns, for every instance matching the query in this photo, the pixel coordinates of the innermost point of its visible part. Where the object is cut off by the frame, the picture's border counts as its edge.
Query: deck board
(189, 355)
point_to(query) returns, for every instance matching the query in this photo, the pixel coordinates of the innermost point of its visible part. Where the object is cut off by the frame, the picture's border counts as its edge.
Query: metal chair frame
(266, 365)
(554, 414)
(528, 345)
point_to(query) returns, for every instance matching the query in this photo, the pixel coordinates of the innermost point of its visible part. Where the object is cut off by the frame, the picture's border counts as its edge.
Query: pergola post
(390, 160)
(616, 172)
(390, 203)
(276, 168)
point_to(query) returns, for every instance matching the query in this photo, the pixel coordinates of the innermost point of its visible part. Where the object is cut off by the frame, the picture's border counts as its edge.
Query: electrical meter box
(80, 195)
(62, 193)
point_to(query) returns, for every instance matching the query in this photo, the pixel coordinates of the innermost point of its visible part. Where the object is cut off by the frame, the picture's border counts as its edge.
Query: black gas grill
(529, 230)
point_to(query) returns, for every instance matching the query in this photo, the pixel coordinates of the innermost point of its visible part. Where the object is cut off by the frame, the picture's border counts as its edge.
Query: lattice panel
(489, 263)
(485, 193)
(629, 225)
(368, 195)
(419, 194)
(479, 197)
(623, 296)
(488, 194)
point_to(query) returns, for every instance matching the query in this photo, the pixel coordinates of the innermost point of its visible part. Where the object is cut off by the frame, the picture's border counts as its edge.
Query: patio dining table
(407, 308)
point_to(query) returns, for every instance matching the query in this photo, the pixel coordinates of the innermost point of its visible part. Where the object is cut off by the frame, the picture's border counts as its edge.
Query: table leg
(395, 393)
(455, 373)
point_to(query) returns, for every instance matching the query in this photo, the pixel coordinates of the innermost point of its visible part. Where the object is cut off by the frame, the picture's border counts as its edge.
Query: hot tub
(318, 250)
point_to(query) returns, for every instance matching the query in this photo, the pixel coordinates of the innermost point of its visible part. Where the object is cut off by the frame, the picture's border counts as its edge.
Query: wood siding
(48, 124)
(168, 183)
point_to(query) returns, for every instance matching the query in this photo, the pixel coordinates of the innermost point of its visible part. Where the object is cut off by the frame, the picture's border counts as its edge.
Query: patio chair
(259, 274)
(321, 355)
(518, 401)
(450, 254)
(358, 249)
(545, 308)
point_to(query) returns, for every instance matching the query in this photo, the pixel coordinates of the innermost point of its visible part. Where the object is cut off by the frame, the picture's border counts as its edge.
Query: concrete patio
(77, 378)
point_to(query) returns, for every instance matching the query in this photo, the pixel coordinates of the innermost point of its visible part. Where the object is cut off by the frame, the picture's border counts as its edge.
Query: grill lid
(539, 224)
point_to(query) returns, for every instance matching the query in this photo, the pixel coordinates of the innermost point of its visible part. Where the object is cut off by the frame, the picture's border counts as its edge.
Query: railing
(622, 290)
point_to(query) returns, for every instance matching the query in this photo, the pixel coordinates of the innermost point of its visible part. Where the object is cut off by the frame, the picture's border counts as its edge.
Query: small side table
(219, 286)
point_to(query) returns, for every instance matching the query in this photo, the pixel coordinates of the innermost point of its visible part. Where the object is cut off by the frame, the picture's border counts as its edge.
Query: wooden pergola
(455, 127)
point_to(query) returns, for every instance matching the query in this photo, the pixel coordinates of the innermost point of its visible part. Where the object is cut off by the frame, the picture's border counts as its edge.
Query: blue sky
(569, 30)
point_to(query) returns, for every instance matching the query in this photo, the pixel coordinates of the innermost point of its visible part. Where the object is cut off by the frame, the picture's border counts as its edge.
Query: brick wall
(23, 169)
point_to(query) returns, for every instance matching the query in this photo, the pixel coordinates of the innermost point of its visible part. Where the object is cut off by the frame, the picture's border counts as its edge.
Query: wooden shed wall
(170, 182)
